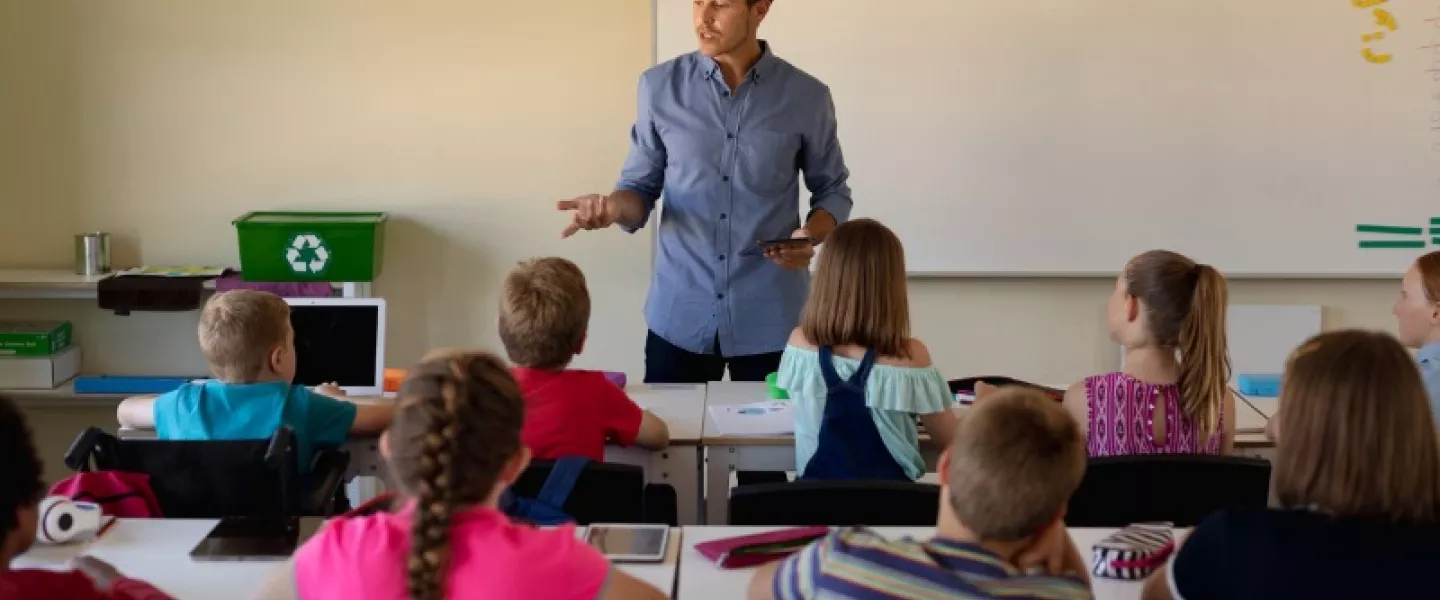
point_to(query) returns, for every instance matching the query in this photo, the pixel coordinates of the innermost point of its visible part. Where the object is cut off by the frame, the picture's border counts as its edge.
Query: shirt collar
(764, 67)
(1429, 353)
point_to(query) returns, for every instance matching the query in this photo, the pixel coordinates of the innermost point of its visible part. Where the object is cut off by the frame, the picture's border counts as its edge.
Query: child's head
(20, 484)
(859, 294)
(247, 338)
(1418, 308)
(1016, 459)
(1167, 301)
(1354, 434)
(544, 311)
(455, 442)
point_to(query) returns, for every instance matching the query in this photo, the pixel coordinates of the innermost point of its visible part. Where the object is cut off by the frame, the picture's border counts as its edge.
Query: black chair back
(604, 493)
(214, 479)
(836, 503)
(1180, 488)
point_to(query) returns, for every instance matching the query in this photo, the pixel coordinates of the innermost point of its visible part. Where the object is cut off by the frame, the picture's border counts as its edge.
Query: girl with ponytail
(453, 448)
(1168, 313)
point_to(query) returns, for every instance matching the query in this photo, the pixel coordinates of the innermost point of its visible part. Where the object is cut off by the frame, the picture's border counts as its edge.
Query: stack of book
(36, 355)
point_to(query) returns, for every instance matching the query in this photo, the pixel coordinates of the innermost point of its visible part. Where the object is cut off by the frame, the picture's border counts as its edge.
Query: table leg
(719, 463)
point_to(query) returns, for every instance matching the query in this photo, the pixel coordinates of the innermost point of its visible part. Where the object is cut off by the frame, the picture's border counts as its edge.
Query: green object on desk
(775, 392)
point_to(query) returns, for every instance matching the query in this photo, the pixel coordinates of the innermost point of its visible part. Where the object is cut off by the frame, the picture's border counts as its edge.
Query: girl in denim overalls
(856, 377)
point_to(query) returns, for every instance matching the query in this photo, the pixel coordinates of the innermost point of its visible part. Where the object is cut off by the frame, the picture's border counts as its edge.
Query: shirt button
(722, 257)
(725, 178)
(725, 94)
(729, 136)
(720, 296)
(722, 216)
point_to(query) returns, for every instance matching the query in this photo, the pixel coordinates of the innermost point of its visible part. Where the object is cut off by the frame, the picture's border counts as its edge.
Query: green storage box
(311, 246)
(33, 338)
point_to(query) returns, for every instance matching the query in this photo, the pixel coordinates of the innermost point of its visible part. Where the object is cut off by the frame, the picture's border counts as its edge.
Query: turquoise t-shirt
(215, 410)
(894, 394)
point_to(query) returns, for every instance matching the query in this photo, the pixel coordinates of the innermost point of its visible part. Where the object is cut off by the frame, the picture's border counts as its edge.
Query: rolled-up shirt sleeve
(824, 164)
(644, 170)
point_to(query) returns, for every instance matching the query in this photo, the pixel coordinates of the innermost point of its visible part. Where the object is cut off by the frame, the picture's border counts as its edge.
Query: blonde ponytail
(1204, 355)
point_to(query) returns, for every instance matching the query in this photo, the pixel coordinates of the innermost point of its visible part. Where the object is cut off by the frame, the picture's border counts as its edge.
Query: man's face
(722, 26)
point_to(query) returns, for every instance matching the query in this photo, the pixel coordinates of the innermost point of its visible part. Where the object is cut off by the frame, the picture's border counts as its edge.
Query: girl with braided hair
(453, 448)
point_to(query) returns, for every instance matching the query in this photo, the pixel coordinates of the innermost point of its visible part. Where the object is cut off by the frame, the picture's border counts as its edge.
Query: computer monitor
(340, 340)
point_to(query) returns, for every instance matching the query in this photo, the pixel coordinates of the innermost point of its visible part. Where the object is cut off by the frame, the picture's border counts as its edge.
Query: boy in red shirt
(544, 312)
(20, 494)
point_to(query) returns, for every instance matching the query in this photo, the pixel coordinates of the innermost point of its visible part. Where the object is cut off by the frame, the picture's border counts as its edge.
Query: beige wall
(161, 120)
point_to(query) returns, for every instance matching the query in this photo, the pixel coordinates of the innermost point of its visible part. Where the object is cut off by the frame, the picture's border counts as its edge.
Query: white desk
(158, 551)
(700, 579)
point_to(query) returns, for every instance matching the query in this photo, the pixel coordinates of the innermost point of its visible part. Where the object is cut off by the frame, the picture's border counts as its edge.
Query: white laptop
(340, 340)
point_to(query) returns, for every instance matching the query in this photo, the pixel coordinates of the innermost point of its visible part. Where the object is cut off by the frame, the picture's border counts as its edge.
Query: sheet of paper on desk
(758, 418)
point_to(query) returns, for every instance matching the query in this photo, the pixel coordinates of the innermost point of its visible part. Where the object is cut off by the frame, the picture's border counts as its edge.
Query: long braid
(430, 536)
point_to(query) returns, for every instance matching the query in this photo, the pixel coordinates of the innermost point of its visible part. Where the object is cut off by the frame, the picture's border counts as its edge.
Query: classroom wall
(161, 120)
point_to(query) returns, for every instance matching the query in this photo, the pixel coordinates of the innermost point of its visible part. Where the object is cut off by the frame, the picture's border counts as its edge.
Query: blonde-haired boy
(544, 315)
(1016, 458)
(248, 342)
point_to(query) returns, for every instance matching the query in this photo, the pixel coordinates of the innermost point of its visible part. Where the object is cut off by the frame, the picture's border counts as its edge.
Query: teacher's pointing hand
(591, 211)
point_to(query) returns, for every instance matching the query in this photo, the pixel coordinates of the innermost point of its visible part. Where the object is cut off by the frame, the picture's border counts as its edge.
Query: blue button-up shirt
(1429, 358)
(727, 163)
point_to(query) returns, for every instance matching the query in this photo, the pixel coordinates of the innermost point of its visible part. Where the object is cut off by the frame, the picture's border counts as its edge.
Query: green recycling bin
(311, 246)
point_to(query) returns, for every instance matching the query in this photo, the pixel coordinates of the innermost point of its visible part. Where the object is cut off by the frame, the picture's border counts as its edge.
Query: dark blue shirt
(728, 164)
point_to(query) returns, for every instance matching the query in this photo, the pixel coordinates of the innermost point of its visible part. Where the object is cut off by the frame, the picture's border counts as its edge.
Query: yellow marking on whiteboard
(1370, 37)
(1375, 58)
(1384, 18)
(1366, 3)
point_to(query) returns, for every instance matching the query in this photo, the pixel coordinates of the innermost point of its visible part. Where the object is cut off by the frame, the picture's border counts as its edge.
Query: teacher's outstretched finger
(591, 211)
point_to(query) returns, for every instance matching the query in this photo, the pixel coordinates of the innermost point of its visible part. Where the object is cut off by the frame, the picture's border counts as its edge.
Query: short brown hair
(1429, 267)
(1355, 436)
(1185, 304)
(238, 331)
(859, 295)
(544, 311)
(1016, 460)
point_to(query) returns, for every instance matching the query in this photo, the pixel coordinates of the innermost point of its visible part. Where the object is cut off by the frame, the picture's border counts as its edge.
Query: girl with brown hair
(1168, 313)
(453, 449)
(1356, 482)
(856, 378)
(1417, 312)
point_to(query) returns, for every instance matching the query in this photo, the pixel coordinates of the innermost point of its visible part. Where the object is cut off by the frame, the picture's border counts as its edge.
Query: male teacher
(723, 133)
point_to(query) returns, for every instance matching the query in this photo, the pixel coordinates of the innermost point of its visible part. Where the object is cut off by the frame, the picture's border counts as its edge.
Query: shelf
(63, 397)
(57, 284)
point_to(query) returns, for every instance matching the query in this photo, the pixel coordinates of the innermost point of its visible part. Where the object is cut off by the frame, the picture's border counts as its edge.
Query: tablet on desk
(255, 538)
(630, 543)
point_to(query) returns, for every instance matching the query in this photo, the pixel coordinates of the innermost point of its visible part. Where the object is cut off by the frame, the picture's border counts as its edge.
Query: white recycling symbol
(302, 261)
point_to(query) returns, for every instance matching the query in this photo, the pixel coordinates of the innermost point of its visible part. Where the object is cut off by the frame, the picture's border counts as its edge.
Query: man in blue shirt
(723, 133)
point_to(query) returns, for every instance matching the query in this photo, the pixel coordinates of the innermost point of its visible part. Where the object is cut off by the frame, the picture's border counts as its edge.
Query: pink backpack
(119, 493)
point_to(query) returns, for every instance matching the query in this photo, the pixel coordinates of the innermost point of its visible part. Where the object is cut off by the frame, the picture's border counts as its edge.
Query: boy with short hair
(20, 492)
(247, 339)
(544, 314)
(1005, 480)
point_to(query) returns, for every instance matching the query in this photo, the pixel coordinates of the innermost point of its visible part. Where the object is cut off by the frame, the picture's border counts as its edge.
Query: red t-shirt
(29, 584)
(573, 413)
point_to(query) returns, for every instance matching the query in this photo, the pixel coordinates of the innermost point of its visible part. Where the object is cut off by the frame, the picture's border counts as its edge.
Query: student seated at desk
(1005, 481)
(1356, 482)
(1168, 312)
(544, 312)
(453, 449)
(853, 373)
(1417, 312)
(20, 493)
(247, 339)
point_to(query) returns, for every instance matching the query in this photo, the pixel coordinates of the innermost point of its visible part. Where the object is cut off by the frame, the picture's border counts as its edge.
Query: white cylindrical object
(92, 253)
(63, 520)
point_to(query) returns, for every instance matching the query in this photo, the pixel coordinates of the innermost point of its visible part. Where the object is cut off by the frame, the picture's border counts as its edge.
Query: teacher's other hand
(591, 211)
(793, 257)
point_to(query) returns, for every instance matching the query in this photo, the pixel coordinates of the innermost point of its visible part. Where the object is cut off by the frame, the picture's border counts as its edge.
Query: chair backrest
(603, 493)
(1180, 488)
(203, 479)
(836, 503)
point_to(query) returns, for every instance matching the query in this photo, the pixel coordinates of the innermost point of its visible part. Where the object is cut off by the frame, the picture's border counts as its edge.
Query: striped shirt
(858, 564)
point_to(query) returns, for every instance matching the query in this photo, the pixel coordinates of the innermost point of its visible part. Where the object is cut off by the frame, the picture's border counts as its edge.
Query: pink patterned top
(1121, 410)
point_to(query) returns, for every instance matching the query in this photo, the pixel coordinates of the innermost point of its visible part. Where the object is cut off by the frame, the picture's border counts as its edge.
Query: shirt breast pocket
(769, 160)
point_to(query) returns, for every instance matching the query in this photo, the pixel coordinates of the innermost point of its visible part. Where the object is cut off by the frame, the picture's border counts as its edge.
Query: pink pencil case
(760, 548)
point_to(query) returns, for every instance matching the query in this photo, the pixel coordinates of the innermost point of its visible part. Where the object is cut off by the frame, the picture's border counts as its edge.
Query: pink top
(490, 557)
(1122, 409)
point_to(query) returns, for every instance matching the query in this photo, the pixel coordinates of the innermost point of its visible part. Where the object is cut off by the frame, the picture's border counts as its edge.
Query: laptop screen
(336, 344)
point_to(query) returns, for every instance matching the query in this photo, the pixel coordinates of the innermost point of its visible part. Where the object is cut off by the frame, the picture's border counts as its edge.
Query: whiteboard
(1062, 137)
(1262, 336)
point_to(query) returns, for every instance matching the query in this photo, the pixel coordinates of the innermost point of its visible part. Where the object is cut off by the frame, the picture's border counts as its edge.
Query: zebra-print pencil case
(1134, 552)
